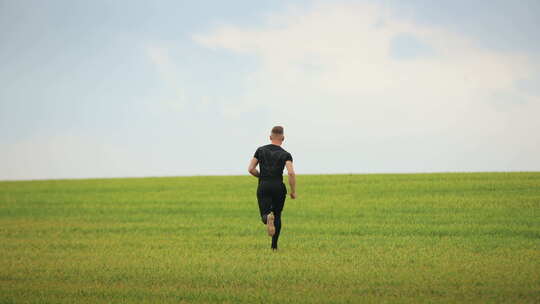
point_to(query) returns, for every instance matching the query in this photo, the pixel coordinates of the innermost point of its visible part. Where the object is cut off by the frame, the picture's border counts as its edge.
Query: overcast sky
(166, 88)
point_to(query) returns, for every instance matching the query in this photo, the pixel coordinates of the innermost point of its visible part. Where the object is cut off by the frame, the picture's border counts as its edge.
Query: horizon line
(239, 175)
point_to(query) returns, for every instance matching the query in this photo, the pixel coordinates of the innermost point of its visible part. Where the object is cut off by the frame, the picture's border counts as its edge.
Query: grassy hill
(456, 237)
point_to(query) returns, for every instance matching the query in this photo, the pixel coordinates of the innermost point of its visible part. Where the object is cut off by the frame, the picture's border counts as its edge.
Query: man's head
(276, 136)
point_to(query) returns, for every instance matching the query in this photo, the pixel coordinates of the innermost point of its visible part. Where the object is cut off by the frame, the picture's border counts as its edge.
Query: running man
(271, 191)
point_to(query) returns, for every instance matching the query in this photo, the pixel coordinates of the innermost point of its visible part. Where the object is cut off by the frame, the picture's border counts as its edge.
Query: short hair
(278, 130)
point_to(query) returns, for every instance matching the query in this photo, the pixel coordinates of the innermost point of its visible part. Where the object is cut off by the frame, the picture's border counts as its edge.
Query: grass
(399, 238)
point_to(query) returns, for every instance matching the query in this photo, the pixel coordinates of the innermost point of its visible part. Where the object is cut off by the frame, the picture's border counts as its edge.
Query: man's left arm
(252, 169)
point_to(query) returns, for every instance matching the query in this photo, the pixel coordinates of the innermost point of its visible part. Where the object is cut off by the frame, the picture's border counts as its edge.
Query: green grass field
(395, 238)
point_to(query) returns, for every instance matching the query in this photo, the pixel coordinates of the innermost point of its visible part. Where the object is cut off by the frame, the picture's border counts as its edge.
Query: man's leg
(265, 203)
(277, 224)
(265, 207)
(264, 198)
(277, 208)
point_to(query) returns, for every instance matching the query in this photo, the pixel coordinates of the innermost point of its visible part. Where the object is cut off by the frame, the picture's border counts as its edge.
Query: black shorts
(271, 196)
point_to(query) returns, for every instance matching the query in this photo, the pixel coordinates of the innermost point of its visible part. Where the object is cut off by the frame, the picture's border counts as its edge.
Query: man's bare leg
(277, 225)
(270, 224)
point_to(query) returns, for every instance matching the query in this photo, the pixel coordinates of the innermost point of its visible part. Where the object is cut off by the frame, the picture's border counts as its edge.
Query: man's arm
(292, 178)
(252, 169)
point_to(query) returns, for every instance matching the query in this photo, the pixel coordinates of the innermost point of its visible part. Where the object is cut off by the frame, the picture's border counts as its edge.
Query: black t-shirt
(272, 160)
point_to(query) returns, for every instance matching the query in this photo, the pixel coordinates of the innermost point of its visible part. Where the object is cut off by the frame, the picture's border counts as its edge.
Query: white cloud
(329, 73)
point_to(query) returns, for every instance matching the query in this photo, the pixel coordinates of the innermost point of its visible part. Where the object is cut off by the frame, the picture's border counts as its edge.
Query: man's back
(272, 159)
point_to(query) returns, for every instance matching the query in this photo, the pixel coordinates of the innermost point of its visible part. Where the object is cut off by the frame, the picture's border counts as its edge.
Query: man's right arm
(292, 178)
(252, 168)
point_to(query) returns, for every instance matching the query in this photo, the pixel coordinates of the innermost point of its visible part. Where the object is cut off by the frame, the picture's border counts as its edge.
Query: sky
(105, 88)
